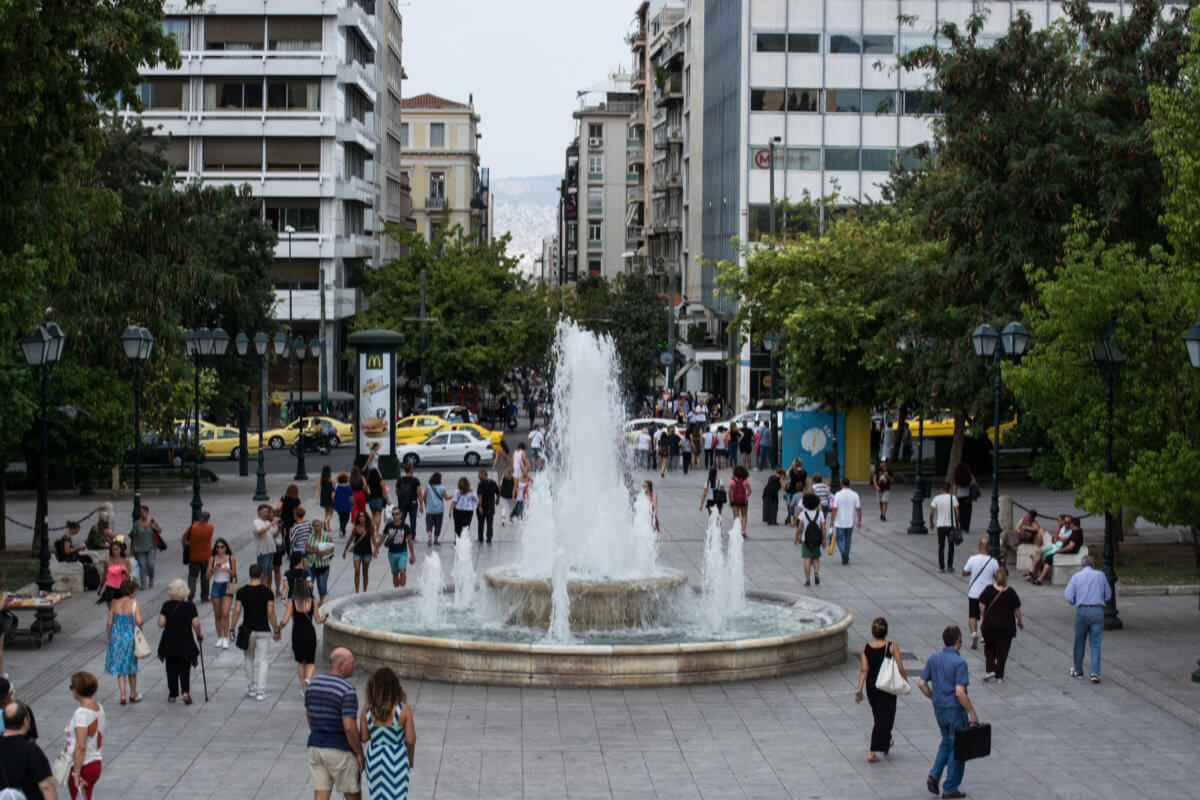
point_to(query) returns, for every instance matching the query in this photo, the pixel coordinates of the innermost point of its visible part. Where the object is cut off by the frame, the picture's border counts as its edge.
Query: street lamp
(1109, 355)
(1191, 341)
(298, 351)
(1008, 343)
(137, 343)
(916, 525)
(774, 141)
(42, 349)
(770, 342)
(289, 230)
(200, 343)
(261, 344)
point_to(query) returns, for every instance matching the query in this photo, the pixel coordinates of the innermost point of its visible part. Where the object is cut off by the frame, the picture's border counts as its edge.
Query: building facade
(284, 100)
(395, 189)
(440, 140)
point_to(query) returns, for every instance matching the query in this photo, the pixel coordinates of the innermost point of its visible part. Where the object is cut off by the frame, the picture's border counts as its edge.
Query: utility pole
(670, 325)
(421, 380)
(322, 358)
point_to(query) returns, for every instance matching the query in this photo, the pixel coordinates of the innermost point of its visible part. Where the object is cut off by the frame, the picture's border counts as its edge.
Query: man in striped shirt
(335, 754)
(300, 532)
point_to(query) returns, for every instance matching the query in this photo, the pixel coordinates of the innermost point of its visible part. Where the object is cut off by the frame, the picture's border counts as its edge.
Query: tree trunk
(3, 505)
(1196, 542)
(901, 426)
(956, 446)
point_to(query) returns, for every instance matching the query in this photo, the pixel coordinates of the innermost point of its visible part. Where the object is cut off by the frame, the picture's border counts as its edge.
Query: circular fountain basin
(600, 605)
(467, 656)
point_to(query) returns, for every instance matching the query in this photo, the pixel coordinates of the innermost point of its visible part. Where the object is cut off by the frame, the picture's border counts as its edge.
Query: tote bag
(141, 648)
(890, 680)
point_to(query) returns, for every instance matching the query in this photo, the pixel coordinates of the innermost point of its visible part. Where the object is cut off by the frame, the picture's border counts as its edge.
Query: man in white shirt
(520, 461)
(265, 531)
(536, 439)
(979, 569)
(643, 448)
(943, 517)
(847, 508)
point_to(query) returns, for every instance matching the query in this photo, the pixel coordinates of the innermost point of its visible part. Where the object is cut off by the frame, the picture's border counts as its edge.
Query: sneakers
(1075, 674)
(974, 641)
(259, 696)
(1095, 678)
(250, 693)
(987, 676)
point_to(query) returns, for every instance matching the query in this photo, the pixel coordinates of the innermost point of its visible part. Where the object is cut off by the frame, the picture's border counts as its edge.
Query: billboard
(376, 403)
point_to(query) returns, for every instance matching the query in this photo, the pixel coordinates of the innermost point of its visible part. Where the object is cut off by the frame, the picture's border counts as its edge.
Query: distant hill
(527, 209)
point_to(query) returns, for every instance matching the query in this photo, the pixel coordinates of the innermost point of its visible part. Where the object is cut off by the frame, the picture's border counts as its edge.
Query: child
(522, 497)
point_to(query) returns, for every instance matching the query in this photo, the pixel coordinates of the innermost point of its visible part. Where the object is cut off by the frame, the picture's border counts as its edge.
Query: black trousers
(462, 519)
(687, 462)
(708, 458)
(945, 543)
(883, 710)
(995, 654)
(196, 571)
(964, 513)
(485, 519)
(179, 676)
(343, 518)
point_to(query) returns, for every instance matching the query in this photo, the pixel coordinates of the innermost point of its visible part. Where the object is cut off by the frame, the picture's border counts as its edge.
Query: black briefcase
(973, 741)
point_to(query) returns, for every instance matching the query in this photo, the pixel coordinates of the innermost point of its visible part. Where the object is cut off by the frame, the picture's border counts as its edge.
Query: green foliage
(485, 317)
(629, 309)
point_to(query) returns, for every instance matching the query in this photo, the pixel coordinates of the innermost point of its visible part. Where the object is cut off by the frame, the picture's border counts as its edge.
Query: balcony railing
(435, 203)
(634, 232)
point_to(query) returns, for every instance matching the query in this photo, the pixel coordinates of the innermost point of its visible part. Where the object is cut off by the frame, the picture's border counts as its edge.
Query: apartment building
(396, 191)
(440, 141)
(284, 100)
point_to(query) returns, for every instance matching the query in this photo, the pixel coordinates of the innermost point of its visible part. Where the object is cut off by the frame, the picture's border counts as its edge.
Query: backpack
(737, 492)
(812, 531)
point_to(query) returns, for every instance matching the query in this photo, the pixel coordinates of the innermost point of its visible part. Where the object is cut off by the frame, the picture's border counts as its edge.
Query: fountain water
(429, 610)
(464, 571)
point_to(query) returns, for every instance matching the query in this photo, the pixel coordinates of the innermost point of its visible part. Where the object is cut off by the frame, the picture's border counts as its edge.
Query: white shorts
(882, 494)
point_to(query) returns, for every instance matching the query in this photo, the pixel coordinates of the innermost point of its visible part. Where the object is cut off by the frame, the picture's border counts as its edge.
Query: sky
(524, 60)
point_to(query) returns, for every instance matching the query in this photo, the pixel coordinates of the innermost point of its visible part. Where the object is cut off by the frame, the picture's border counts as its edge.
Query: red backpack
(737, 493)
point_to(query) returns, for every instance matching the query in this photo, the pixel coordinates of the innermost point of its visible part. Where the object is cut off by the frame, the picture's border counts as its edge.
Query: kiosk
(375, 398)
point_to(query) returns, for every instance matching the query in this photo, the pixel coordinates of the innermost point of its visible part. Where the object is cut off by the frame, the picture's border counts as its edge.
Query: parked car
(159, 451)
(225, 442)
(446, 447)
(743, 419)
(278, 438)
(415, 428)
(492, 437)
(633, 427)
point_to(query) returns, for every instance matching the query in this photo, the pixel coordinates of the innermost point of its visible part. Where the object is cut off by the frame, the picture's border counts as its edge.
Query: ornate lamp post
(261, 344)
(42, 349)
(137, 343)
(201, 343)
(298, 351)
(916, 525)
(1009, 343)
(1109, 355)
(1191, 340)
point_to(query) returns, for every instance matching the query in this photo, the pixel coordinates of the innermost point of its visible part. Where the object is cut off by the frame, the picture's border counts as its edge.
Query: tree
(629, 309)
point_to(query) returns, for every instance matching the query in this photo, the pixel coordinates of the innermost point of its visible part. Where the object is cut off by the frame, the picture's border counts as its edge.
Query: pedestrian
(264, 529)
(502, 461)
(964, 491)
(197, 539)
(398, 537)
(523, 489)
(537, 440)
(377, 495)
(7, 696)
(770, 498)
(488, 492)
(697, 445)
(685, 450)
(386, 727)
(732, 437)
(520, 461)
(847, 513)
(1001, 617)
(258, 603)
(319, 554)
(811, 524)
(979, 571)
(177, 649)
(463, 505)
(362, 542)
(343, 502)
(739, 496)
(296, 575)
(286, 510)
(943, 518)
(713, 494)
(84, 733)
(23, 765)
(708, 441)
(305, 614)
(797, 482)
(100, 536)
(117, 570)
(221, 571)
(882, 480)
(434, 497)
(821, 489)
(944, 681)
(1088, 591)
(335, 760)
(325, 489)
(1068, 540)
(663, 450)
(883, 704)
(358, 491)
(144, 547)
(408, 498)
(508, 495)
(298, 538)
(652, 500)
(746, 445)
(123, 618)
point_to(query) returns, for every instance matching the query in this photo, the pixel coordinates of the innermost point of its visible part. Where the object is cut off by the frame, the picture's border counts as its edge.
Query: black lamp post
(137, 343)
(262, 344)
(916, 525)
(42, 349)
(298, 351)
(774, 141)
(1191, 340)
(201, 343)
(988, 344)
(770, 342)
(1109, 355)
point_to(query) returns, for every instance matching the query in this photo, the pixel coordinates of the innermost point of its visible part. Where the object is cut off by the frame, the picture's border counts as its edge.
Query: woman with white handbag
(883, 674)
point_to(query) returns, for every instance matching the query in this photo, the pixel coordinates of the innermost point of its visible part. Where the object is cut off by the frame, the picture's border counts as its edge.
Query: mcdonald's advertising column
(375, 398)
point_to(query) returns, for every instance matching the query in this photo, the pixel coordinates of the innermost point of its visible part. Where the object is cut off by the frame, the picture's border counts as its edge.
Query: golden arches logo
(375, 361)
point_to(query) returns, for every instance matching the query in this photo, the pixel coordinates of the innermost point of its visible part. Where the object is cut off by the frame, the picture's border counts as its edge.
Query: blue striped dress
(387, 760)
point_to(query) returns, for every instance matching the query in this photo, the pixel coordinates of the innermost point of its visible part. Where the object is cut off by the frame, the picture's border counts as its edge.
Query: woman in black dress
(324, 496)
(770, 498)
(304, 614)
(883, 705)
(177, 647)
(1001, 618)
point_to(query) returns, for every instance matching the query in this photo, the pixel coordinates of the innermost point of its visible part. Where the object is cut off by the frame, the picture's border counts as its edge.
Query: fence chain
(1047, 516)
(29, 527)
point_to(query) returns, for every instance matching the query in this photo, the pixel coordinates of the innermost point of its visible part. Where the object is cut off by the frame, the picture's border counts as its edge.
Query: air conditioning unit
(595, 141)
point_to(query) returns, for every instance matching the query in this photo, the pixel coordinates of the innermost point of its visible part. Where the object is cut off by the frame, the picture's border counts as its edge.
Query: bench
(1027, 555)
(67, 575)
(1066, 565)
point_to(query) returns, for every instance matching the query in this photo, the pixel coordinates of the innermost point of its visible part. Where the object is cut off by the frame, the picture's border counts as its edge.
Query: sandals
(874, 759)
(170, 699)
(187, 700)
(124, 701)
(136, 698)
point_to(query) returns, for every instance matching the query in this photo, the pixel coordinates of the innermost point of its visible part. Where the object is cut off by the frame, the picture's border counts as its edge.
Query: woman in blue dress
(123, 617)
(386, 728)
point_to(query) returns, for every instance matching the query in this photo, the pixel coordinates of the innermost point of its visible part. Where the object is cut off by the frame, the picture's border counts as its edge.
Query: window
(595, 165)
(181, 29)
(804, 43)
(302, 214)
(878, 102)
(766, 99)
(232, 154)
(909, 159)
(595, 199)
(298, 94)
(233, 94)
(843, 100)
(918, 102)
(233, 33)
(595, 265)
(293, 33)
(803, 99)
(404, 134)
(459, 438)
(437, 134)
(595, 131)
(176, 153)
(911, 43)
(595, 231)
(876, 160)
(438, 440)
(844, 43)
(437, 186)
(770, 42)
(293, 155)
(878, 44)
(841, 158)
(159, 94)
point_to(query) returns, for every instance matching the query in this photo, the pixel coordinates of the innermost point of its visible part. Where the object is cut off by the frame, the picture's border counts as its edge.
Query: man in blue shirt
(1088, 591)
(944, 681)
(335, 755)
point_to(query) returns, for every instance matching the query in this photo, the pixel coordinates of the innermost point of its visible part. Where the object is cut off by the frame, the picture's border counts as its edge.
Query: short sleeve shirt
(23, 766)
(396, 536)
(944, 671)
(943, 510)
(264, 542)
(93, 723)
(254, 600)
(328, 700)
(845, 502)
(981, 568)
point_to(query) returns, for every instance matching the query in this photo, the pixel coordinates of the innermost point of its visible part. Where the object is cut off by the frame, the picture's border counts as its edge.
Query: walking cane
(203, 674)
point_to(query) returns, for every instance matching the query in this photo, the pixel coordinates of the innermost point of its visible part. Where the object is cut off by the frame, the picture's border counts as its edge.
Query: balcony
(635, 194)
(635, 153)
(435, 204)
(634, 232)
(671, 91)
(594, 246)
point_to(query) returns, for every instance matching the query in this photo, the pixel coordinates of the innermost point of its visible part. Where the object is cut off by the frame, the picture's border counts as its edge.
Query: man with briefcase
(944, 681)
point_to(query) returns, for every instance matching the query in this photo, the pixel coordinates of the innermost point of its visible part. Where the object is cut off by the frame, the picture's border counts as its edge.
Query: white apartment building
(281, 95)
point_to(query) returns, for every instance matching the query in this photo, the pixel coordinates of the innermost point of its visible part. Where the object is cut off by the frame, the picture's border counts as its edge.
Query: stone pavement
(1135, 734)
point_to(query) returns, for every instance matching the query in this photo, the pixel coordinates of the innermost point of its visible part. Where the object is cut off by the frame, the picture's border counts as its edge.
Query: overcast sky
(524, 60)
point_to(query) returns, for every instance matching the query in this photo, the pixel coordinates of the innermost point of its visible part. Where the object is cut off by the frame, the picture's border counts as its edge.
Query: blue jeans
(732, 452)
(843, 535)
(949, 720)
(321, 579)
(1089, 627)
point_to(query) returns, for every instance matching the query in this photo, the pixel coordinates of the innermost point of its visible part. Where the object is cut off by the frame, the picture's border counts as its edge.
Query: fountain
(587, 601)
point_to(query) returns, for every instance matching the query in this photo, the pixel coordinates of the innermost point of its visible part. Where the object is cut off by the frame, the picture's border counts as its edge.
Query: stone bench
(1027, 556)
(1066, 565)
(68, 576)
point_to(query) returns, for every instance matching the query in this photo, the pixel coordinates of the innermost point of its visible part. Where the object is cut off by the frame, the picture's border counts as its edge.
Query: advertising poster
(375, 398)
(808, 435)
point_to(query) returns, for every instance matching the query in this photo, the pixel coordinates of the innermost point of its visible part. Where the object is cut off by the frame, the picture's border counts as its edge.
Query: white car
(446, 447)
(745, 418)
(633, 427)
(452, 413)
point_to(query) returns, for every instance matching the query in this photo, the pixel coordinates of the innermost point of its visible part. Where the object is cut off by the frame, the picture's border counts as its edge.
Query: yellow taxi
(416, 428)
(286, 435)
(221, 442)
(943, 425)
(493, 438)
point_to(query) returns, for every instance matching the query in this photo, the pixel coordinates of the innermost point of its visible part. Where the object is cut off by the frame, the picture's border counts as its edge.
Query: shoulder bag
(62, 766)
(956, 536)
(889, 679)
(141, 648)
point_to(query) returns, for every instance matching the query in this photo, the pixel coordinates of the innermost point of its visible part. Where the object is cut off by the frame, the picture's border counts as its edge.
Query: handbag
(889, 679)
(973, 741)
(62, 766)
(187, 544)
(956, 536)
(158, 541)
(975, 492)
(242, 641)
(141, 648)
(720, 496)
